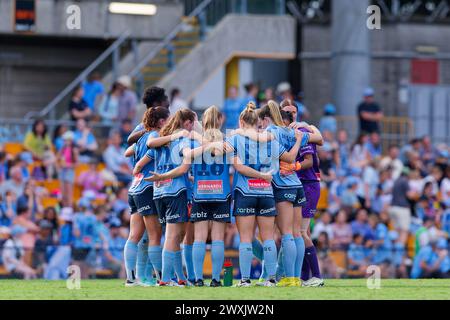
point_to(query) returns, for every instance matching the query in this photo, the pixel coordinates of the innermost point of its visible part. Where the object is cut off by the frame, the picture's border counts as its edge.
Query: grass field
(333, 290)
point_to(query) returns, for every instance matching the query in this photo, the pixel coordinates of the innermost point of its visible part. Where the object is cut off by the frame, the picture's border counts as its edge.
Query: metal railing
(112, 50)
(394, 130)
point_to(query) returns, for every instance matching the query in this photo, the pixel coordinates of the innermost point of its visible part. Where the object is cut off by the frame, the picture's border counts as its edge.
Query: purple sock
(305, 270)
(311, 257)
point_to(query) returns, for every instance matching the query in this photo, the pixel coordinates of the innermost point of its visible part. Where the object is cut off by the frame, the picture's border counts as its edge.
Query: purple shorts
(312, 194)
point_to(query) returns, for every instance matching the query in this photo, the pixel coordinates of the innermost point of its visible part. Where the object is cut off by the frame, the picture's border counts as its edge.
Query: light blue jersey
(286, 137)
(261, 156)
(141, 150)
(86, 225)
(168, 158)
(211, 177)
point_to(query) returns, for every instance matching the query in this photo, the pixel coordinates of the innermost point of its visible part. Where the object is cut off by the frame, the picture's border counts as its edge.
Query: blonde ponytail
(211, 121)
(249, 115)
(272, 111)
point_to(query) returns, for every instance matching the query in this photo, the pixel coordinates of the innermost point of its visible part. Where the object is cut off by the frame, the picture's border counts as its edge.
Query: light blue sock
(178, 266)
(289, 256)
(245, 259)
(270, 257)
(280, 266)
(217, 257)
(257, 249)
(142, 257)
(198, 255)
(264, 271)
(168, 261)
(149, 270)
(130, 253)
(300, 244)
(188, 262)
(154, 255)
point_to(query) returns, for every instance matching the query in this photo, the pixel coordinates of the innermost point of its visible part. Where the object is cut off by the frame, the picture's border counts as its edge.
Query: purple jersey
(313, 173)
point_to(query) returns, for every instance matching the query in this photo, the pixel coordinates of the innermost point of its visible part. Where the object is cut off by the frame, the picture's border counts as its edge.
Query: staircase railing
(113, 50)
(166, 43)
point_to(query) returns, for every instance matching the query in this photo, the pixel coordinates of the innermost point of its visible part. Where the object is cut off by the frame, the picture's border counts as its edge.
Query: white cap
(66, 214)
(68, 135)
(125, 81)
(283, 87)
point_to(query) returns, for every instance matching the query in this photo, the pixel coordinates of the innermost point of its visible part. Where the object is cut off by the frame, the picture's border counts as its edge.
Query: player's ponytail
(176, 121)
(212, 121)
(249, 115)
(153, 116)
(272, 111)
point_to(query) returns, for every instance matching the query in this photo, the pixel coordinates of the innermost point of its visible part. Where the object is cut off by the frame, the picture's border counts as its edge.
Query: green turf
(333, 290)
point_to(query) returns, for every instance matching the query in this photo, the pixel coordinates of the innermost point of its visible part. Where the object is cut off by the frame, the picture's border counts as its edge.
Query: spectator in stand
(434, 177)
(15, 183)
(31, 198)
(128, 100)
(51, 216)
(78, 107)
(323, 225)
(23, 219)
(37, 140)
(414, 146)
(373, 145)
(176, 103)
(328, 267)
(357, 254)
(268, 95)
(349, 200)
(114, 249)
(115, 159)
(13, 254)
(8, 208)
(360, 225)
(369, 113)
(326, 164)
(359, 156)
(445, 187)
(328, 121)
(432, 261)
(85, 234)
(109, 105)
(3, 167)
(400, 211)
(43, 246)
(93, 88)
(121, 202)
(428, 153)
(392, 160)
(58, 141)
(125, 130)
(343, 149)
(251, 94)
(85, 141)
(232, 108)
(68, 159)
(342, 232)
(92, 181)
(370, 180)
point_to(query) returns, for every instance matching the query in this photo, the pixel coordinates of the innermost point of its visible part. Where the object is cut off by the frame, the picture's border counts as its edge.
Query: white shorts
(401, 217)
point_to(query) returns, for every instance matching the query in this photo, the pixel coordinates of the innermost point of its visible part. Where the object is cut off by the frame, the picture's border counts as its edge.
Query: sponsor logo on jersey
(163, 183)
(259, 184)
(210, 187)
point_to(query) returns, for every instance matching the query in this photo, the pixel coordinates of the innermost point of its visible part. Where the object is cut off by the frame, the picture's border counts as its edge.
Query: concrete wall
(96, 21)
(31, 74)
(386, 74)
(250, 36)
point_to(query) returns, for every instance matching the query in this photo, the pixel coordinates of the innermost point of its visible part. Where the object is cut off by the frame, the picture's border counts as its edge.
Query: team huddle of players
(190, 178)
